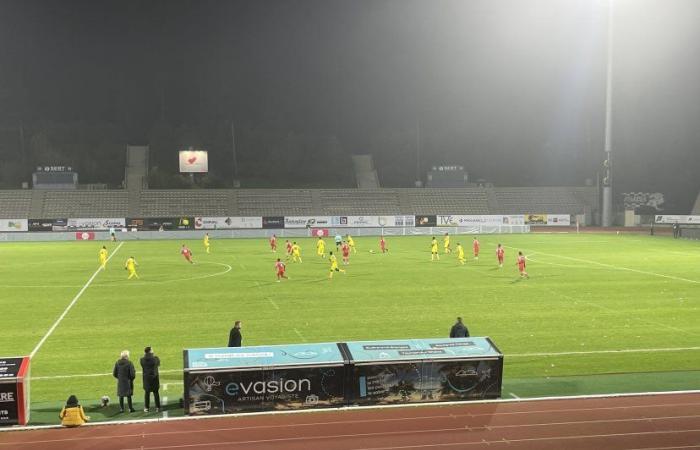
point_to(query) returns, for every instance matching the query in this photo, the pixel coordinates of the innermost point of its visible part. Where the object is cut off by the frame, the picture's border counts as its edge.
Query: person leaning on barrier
(72, 415)
(459, 330)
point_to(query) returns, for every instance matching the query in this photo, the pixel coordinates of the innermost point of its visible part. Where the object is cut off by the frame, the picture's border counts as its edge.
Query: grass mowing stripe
(73, 302)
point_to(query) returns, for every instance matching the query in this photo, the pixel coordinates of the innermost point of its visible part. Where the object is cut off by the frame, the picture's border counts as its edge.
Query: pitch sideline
(70, 305)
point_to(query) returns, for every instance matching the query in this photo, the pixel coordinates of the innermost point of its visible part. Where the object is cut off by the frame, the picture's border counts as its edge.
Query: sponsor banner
(84, 235)
(677, 219)
(427, 381)
(227, 223)
(426, 221)
(60, 225)
(363, 221)
(558, 219)
(535, 219)
(194, 161)
(323, 232)
(266, 388)
(306, 221)
(160, 223)
(404, 221)
(40, 224)
(477, 220)
(96, 224)
(7, 225)
(273, 222)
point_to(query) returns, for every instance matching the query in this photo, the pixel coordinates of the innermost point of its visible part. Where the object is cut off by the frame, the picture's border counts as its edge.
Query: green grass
(587, 293)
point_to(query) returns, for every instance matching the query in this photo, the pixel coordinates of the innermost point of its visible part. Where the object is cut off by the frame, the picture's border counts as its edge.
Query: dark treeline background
(511, 89)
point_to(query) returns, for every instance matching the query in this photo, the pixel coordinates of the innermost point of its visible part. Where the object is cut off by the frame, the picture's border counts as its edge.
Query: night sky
(511, 89)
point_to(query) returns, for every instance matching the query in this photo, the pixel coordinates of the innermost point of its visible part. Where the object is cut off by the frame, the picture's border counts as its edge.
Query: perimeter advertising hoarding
(156, 223)
(194, 161)
(279, 377)
(306, 221)
(426, 370)
(14, 391)
(476, 220)
(677, 219)
(426, 221)
(273, 222)
(9, 225)
(96, 224)
(227, 223)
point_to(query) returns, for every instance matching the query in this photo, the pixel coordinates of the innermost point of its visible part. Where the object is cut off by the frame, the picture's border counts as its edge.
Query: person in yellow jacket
(130, 265)
(102, 256)
(72, 415)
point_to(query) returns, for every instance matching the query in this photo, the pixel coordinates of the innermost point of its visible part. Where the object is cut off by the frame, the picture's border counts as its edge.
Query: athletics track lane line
(68, 308)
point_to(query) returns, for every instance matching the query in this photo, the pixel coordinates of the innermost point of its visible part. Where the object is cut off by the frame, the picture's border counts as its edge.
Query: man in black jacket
(234, 337)
(151, 378)
(459, 329)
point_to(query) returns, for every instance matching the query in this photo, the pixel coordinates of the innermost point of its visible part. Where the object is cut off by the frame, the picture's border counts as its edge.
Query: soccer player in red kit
(289, 249)
(475, 247)
(500, 254)
(280, 268)
(186, 253)
(345, 248)
(382, 245)
(273, 243)
(521, 265)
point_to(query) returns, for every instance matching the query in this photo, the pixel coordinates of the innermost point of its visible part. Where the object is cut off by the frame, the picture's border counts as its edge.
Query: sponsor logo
(7, 397)
(281, 386)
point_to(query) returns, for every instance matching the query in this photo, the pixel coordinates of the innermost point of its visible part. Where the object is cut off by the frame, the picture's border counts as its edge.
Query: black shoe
(132, 410)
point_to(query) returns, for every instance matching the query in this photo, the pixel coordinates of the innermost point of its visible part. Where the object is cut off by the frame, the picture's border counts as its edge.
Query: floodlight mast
(607, 178)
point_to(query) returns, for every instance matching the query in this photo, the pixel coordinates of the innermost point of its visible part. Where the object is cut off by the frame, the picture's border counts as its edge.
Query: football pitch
(600, 313)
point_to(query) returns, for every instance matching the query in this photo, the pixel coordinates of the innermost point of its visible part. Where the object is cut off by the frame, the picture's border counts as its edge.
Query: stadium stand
(75, 203)
(173, 203)
(274, 202)
(15, 204)
(49, 204)
(544, 199)
(448, 201)
(359, 202)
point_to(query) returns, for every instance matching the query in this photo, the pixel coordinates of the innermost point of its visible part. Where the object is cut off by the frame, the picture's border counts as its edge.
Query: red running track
(653, 422)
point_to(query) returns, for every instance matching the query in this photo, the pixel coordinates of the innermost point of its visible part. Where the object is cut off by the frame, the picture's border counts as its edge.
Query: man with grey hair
(125, 373)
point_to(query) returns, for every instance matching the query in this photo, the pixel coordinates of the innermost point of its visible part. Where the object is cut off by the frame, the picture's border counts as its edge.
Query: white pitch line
(602, 352)
(73, 302)
(611, 266)
(91, 375)
(273, 303)
(514, 396)
(300, 335)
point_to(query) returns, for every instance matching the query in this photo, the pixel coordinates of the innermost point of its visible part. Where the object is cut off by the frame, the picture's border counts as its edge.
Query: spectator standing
(234, 337)
(459, 329)
(125, 373)
(72, 415)
(151, 379)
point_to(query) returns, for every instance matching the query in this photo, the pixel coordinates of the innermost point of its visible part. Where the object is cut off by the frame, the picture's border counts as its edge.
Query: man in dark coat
(125, 373)
(234, 337)
(459, 329)
(151, 379)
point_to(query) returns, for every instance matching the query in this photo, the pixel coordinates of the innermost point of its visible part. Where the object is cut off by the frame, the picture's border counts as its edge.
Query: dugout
(14, 390)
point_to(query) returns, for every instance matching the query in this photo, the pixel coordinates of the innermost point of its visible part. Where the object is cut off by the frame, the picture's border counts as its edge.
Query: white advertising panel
(96, 224)
(363, 221)
(677, 219)
(306, 221)
(7, 225)
(559, 220)
(474, 220)
(194, 161)
(226, 223)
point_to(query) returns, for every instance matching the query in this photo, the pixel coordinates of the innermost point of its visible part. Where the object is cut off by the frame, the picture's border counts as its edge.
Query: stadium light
(607, 184)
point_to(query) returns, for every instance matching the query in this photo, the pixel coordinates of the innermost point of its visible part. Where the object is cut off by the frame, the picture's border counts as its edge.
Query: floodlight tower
(607, 177)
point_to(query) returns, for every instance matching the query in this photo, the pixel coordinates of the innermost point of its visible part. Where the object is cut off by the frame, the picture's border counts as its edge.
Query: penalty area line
(70, 305)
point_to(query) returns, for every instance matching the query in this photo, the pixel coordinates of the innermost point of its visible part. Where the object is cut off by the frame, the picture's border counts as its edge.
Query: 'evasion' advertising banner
(96, 224)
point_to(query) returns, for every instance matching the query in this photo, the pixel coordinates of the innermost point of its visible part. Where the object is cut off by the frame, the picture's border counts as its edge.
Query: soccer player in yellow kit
(334, 265)
(321, 247)
(102, 255)
(434, 250)
(131, 267)
(296, 252)
(446, 243)
(206, 242)
(460, 254)
(351, 243)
